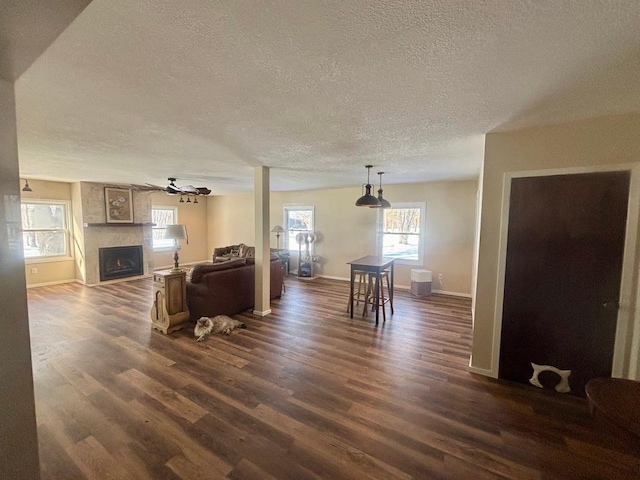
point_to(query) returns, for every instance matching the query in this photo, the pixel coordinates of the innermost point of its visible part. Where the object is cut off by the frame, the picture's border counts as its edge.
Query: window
(401, 232)
(45, 228)
(296, 220)
(163, 216)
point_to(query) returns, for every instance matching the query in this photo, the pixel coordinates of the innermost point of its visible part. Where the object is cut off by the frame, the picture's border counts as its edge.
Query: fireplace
(120, 262)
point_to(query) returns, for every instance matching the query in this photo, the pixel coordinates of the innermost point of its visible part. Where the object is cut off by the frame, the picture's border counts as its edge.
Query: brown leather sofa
(228, 287)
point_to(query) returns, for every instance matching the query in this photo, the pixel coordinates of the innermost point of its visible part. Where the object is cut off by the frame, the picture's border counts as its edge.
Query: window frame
(68, 254)
(154, 228)
(285, 217)
(422, 236)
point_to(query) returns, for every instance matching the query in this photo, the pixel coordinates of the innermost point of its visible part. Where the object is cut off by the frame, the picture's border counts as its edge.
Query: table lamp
(176, 232)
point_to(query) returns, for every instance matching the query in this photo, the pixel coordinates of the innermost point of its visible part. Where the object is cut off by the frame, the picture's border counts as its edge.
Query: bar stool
(361, 278)
(370, 299)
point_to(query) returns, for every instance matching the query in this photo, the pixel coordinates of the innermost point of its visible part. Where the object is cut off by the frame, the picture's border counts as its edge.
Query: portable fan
(304, 268)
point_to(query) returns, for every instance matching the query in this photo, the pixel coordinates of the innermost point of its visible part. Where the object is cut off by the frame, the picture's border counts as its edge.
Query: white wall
(608, 141)
(348, 232)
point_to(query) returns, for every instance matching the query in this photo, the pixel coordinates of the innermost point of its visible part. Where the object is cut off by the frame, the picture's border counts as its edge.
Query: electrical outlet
(441, 278)
(34, 270)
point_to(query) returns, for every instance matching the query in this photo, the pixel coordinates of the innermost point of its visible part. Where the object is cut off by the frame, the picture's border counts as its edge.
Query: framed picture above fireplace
(118, 205)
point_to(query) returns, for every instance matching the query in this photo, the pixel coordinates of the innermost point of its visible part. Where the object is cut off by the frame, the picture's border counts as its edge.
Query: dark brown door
(563, 272)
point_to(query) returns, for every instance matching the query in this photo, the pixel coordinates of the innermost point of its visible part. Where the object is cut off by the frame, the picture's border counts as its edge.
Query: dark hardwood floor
(303, 393)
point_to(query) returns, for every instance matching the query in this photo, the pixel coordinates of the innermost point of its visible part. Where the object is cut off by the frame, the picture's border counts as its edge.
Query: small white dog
(218, 324)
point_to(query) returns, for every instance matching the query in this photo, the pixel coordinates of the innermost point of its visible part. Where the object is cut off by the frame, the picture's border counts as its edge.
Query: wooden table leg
(376, 295)
(351, 292)
(391, 288)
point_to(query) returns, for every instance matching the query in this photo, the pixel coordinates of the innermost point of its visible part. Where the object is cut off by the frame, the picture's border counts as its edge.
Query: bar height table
(374, 264)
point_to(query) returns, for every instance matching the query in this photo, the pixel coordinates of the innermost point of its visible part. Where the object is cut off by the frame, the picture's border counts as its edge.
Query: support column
(18, 436)
(262, 305)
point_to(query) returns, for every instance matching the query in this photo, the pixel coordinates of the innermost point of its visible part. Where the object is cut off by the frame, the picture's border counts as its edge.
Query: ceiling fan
(173, 189)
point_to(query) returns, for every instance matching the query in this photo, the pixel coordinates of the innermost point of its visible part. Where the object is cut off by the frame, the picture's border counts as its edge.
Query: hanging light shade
(26, 187)
(383, 203)
(368, 200)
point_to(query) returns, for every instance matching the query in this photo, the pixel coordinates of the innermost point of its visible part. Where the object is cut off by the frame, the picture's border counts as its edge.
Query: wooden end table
(169, 311)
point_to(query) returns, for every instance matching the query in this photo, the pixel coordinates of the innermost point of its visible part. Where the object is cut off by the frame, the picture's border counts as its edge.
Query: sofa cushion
(201, 269)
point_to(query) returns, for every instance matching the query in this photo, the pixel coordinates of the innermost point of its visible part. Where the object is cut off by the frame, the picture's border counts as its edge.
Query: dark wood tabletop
(618, 400)
(376, 261)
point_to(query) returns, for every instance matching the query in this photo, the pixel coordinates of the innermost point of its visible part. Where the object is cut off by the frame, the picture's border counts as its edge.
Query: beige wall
(194, 216)
(347, 232)
(18, 436)
(49, 271)
(601, 141)
(230, 220)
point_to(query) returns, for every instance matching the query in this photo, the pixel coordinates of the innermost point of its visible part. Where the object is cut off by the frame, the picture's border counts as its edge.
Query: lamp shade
(382, 203)
(277, 229)
(176, 232)
(367, 200)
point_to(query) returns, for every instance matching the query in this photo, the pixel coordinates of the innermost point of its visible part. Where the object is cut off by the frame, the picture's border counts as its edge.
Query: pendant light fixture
(368, 200)
(26, 187)
(383, 203)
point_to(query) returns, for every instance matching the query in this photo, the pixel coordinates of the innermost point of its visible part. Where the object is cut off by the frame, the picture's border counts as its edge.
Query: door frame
(626, 355)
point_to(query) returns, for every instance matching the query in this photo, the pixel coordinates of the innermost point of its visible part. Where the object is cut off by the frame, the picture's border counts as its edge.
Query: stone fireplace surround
(92, 233)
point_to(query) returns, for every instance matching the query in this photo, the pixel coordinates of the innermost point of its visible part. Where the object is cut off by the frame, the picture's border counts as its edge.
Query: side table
(169, 311)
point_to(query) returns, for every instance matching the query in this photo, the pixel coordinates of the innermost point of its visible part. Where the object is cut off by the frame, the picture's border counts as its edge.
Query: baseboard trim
(46, 284)
(480, 371)
(452, 294)
(262, 313)
(405, 287)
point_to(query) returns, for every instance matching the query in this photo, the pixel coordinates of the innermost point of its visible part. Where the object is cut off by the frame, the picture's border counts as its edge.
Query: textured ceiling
(27, 28)
(137, 91)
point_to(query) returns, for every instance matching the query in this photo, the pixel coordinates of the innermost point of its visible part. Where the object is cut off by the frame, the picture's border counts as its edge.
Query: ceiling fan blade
(146, 188)
(203, 190)
(173, 190)
(189, 189)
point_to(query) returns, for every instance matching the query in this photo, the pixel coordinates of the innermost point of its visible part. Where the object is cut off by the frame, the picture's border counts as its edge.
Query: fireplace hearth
(120, 262)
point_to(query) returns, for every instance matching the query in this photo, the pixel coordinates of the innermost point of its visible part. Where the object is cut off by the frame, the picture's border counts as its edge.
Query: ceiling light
(368, 200)
(383, 203)
(26, 187)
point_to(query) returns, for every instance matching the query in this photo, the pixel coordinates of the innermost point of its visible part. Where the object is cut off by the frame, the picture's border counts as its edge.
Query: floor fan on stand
(305, 263)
